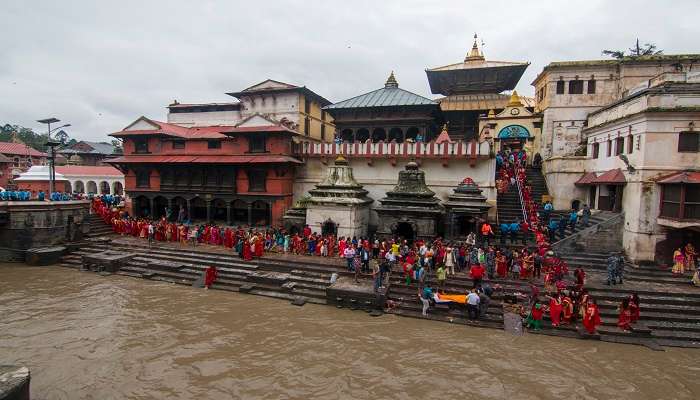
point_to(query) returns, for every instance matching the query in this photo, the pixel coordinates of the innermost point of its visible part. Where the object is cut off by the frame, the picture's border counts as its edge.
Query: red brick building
(18, 157)
(238, 174)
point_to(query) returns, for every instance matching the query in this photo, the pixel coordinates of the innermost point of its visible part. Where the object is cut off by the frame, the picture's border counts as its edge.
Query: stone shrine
(464, 208)
(411, 210)
(339, 205)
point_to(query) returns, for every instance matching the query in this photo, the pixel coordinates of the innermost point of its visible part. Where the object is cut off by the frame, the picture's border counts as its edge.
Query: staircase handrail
(523, 209)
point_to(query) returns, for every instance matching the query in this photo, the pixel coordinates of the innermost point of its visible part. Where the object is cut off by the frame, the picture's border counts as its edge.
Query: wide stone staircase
(97, 226)
(670, 313)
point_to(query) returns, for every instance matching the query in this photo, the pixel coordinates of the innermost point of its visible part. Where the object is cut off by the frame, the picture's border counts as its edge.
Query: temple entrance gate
(405, 230)
(329, 228)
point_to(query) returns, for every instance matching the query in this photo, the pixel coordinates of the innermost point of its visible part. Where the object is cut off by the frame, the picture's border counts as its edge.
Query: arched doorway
(179, 203)
(104, 187)
(396, 134)
(362, 135)
(160, 203)
(329, 228)
(404, 230)
(218, 210)
(79, 187)
(465, 224)
(142, 206)
(378, 134)
(239, 212)
(91, 187)
(346, 135)
(198, 209)
(260, 213)
(67, 187)
(412, 133)
(118, 188)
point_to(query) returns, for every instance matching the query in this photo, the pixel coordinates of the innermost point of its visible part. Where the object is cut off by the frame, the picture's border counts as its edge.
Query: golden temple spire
(391, 81)
(515, 100)
(475, 54)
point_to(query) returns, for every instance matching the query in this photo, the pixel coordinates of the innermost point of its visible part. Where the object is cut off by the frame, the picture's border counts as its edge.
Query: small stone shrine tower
(465, 207)
(339, 205)
(411, 210)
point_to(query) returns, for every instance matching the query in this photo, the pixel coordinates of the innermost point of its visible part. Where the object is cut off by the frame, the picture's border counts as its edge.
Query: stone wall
(31, 224)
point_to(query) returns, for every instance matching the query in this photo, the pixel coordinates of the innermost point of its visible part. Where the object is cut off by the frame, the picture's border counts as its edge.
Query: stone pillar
(250, 214)
(152, 208)
(208, 210)
(187, 204)
(228, 213)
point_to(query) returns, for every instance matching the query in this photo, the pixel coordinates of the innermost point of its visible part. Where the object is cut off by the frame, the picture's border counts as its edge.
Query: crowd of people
(26, 195)
(478, 256)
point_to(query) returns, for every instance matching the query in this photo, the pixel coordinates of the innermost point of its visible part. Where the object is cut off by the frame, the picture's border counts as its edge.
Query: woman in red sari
(567, 308)
(501, 265)
(210, 277)
(247, 252)
(228, 238)
(634, 307)
(341, 247)
(625, 318)
(259, 247)
(555, 309)
(591, 317)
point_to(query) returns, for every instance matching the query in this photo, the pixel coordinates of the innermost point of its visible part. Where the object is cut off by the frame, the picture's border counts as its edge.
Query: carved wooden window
(143, 179)
(257, 180)
(596, 150)
(214, 144)
(140, 146)
(178, 144)
(256, 144)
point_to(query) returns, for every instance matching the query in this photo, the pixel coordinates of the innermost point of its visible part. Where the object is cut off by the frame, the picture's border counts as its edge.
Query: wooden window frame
(696, 136)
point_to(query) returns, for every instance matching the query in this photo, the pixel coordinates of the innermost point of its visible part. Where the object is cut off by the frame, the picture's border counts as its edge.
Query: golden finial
(391, 81)
(491, 113)
(515, 100)
(474, 54)
(340, 160)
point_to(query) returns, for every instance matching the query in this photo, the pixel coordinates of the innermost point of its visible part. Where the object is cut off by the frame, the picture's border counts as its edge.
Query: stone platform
(345, 292)
(32, 224)
(14, 382)
(109, 261)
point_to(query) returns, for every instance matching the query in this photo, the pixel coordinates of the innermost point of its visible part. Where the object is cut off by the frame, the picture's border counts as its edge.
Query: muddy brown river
(90, 337)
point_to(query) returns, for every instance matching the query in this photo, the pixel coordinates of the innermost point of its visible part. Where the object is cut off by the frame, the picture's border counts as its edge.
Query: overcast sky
(101, 64)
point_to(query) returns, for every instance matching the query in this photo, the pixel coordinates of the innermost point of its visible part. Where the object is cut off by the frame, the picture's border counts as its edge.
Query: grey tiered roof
(388, 96)
(467, 199)
(411, 194)
(339, 187)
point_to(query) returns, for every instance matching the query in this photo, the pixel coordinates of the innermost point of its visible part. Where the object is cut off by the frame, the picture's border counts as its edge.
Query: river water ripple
(90, 337)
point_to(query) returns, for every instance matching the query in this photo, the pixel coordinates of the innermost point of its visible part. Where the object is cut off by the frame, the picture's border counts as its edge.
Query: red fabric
(210, 276)
(624, 319)
(591, 318)
(477, 271)
(555, 309)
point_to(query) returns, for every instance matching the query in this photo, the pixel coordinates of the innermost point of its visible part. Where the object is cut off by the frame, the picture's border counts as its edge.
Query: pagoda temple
(410, 210)
(472, 88)
(339, 205)
(465, 208)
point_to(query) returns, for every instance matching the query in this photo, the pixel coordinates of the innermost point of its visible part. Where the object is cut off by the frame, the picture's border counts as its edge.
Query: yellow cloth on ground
(457, 298)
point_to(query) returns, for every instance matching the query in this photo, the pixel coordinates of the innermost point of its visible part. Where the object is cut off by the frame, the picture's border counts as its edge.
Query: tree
(117, 147)
(648, 49)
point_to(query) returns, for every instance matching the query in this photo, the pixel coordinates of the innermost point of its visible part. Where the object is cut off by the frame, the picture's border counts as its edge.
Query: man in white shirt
(473, 304)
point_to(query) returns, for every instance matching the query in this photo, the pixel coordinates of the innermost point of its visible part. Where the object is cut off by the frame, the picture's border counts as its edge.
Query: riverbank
(88, 336)
(670, 311)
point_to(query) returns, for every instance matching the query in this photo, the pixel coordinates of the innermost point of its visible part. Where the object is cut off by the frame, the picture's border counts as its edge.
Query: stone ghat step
(494, 319)
(461, 283)
(608, 300)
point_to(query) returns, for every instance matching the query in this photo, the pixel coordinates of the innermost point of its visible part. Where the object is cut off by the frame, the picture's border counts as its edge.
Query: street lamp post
(51, 144)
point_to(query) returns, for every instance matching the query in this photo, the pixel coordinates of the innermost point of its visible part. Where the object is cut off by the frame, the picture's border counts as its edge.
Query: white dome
(38, 173)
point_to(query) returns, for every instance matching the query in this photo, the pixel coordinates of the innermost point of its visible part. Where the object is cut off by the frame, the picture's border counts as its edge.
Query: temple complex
(389, 114)
(410, 210)
(472, 88)
(339, 205)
